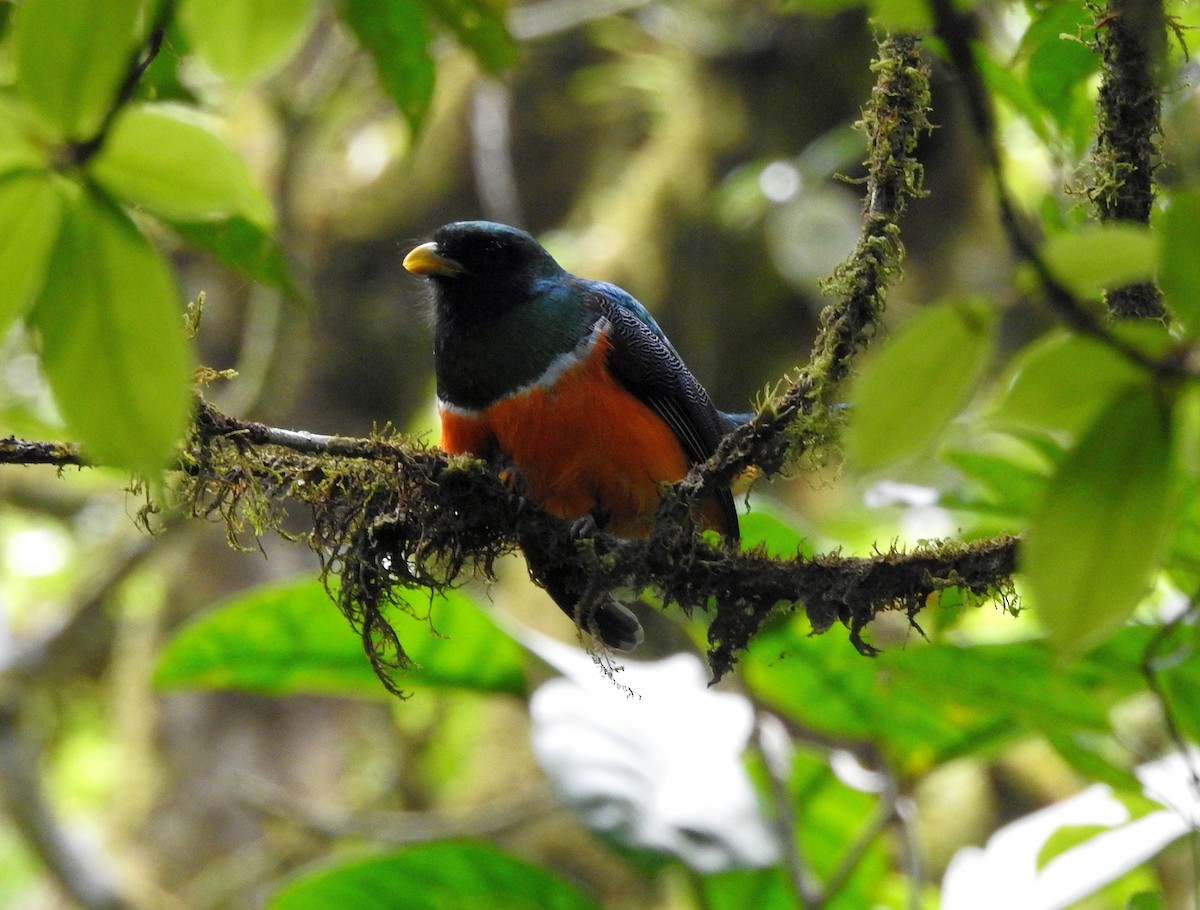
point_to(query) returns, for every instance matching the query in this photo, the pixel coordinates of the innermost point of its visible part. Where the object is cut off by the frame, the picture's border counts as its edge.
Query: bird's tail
(730, 422)
(608, 619)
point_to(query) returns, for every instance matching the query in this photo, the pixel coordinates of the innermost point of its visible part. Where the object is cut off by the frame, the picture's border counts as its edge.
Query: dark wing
(646, 363)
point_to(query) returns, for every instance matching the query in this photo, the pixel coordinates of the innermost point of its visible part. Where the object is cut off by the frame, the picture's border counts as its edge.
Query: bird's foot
(584, 527)
(588, 525)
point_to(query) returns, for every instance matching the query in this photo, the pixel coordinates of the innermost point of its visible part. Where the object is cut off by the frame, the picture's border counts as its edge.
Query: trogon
(571, 385)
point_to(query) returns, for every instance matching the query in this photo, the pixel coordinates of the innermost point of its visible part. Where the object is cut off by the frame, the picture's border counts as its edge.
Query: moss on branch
(800, 420)
(390, 517)
(1131, 38)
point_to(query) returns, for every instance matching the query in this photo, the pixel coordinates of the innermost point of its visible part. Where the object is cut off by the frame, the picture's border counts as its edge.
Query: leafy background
(202, 721)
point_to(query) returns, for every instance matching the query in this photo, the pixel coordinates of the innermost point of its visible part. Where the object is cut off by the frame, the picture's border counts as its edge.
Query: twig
(884, 815)
(904, 811)
(25, 452)
(81, 152)
(404, 827)
(777, 763)
(1151, 665)
(212, 424)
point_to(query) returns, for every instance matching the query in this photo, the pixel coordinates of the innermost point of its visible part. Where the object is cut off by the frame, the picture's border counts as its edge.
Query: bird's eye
(494, 254)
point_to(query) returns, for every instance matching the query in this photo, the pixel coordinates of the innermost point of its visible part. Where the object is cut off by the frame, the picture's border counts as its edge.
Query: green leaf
(245, 247)
(1179, 267)
(1061, 381)
(1087, 756)
(287, 638)
(164, 79)
(1066, 838)
(479, 24)
(821, 7)
(1057, 64)
(1007, 681)
(833, 814)
(922, 705)
(112, 338)
(769, 526)
(18, 152)
(397, 37)
(901, 15)
(441, 874)
(71, 58)
(1008, 480)
(243, 40)
(1069, 837)
(1100, 256)
(762, 889)
(1179, 677)
(1005, 85)
(1145, 900)
(1100, 529)
(30, 212)
(918, 379)
(158, 157)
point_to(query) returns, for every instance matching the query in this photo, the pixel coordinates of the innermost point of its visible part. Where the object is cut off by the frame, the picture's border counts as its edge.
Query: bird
(572, 386)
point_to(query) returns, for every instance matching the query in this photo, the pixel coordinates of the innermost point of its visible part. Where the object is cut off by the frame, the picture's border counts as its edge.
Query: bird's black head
(481, 267)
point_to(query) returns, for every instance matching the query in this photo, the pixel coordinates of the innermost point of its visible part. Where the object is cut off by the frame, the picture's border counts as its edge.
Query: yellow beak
(426, 260)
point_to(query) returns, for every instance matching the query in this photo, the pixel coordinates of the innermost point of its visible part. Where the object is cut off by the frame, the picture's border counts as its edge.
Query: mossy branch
(16, 451)
(390, 516)
(800, 419)
(956, 30)
(1131, 37)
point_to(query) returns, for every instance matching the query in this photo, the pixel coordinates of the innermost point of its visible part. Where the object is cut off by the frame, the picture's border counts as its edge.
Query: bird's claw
(584, 527)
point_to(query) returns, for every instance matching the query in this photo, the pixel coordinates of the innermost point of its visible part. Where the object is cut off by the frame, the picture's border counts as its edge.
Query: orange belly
(584, 445)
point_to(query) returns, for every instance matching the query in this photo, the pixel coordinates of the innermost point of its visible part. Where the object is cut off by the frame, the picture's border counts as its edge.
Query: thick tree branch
(390, 515)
